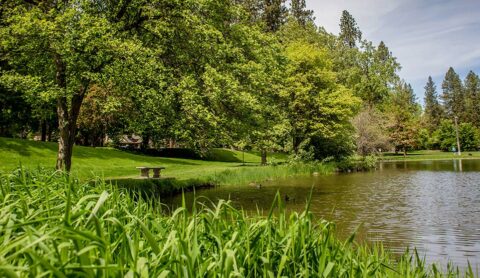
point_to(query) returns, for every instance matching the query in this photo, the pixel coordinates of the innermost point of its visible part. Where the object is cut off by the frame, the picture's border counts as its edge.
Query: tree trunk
(145, 141)
(296, 143)
(263, 153)
(49, 132)
(404, 152)
(67, 118)
(43, 125)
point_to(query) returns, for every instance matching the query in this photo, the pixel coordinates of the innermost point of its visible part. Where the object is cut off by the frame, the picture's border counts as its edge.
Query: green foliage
(424, 141)
(319, 110)
(459, 100)
(468, 135)
(472, 99)
(433, 110)
(204, 74)
(354, 163)
(66, 228)
(453, 95)
(350, 34)
(404, 123)
(446, 135)
(377, 73)
(274, 14)
(299, 11)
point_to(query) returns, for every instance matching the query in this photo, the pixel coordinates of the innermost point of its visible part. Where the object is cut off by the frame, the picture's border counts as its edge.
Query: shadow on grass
(222, 155)
(28, 148)
(108, 154)
(25, 147)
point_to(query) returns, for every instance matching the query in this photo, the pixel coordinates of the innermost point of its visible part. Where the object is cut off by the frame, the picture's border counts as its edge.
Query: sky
(426, 36)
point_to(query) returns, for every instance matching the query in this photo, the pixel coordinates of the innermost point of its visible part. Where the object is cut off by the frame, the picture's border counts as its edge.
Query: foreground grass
(51, 225)
(428, 155)
(107, 162)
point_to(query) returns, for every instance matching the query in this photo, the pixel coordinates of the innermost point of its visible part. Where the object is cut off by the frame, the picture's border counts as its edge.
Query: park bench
(145, 172)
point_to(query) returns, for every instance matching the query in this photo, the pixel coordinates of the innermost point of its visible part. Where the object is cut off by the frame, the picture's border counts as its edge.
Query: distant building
(130, 141)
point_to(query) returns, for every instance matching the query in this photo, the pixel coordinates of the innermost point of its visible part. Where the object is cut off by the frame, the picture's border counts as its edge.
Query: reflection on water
(432, 205)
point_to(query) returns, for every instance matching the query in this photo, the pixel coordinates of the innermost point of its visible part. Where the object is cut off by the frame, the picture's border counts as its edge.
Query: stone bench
(145, 172)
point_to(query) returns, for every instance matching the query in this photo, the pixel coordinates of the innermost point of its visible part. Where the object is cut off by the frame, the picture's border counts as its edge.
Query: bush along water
(55, 226)
(357, 163)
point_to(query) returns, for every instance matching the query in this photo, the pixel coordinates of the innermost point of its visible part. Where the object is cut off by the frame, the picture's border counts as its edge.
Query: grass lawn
(112, 163)
(429, 155)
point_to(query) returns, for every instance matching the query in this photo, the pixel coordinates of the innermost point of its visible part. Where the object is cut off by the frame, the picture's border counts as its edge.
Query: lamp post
(458, 139)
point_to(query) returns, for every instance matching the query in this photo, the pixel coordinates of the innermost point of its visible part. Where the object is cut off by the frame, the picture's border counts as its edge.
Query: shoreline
(428, 159)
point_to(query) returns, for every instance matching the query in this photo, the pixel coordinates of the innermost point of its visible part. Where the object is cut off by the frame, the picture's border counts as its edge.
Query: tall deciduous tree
(433, 111)
(68, 46)
(319, 110)
(350, 34)
(377, 73)
(453, 95)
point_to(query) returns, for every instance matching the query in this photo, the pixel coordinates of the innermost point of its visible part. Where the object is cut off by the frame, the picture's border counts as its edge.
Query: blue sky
(426, 36)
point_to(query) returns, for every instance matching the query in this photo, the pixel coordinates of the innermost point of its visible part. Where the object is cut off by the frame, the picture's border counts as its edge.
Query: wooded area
(201, 74)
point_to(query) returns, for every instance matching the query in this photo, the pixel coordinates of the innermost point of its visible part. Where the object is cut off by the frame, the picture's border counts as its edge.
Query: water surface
(431, 205)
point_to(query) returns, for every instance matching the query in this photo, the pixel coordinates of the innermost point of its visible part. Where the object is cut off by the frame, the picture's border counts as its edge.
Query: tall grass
(245, 175)
(54, 226)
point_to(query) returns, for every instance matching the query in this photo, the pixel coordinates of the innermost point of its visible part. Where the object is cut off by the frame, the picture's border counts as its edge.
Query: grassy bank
(428, 155)
(53, 226)
(107, 162)
(247, 175)
(181, 174)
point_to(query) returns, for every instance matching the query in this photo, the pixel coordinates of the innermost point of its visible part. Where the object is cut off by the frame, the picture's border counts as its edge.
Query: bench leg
(156, 173)
(144, 173)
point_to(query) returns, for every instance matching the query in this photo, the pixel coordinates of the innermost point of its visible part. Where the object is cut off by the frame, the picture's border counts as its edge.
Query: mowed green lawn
(429, 155)
(89, 162)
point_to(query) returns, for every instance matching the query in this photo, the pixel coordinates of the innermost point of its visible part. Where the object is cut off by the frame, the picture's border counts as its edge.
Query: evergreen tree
(472, 98)
(300, 12)
(254, 9)
(433, 110)
(274, 14)
(349, 31)
(453, 95)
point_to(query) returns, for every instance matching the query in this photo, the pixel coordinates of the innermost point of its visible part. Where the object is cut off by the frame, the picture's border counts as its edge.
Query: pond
(431, 205)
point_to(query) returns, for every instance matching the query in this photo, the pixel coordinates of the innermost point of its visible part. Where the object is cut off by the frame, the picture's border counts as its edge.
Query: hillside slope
(109, 162)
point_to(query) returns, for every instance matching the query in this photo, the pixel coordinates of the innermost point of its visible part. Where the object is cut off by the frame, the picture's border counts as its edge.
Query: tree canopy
(197, 74)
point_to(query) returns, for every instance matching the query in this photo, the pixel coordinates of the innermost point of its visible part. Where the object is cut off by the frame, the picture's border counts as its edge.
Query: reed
(249, 174)
(52, 225)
